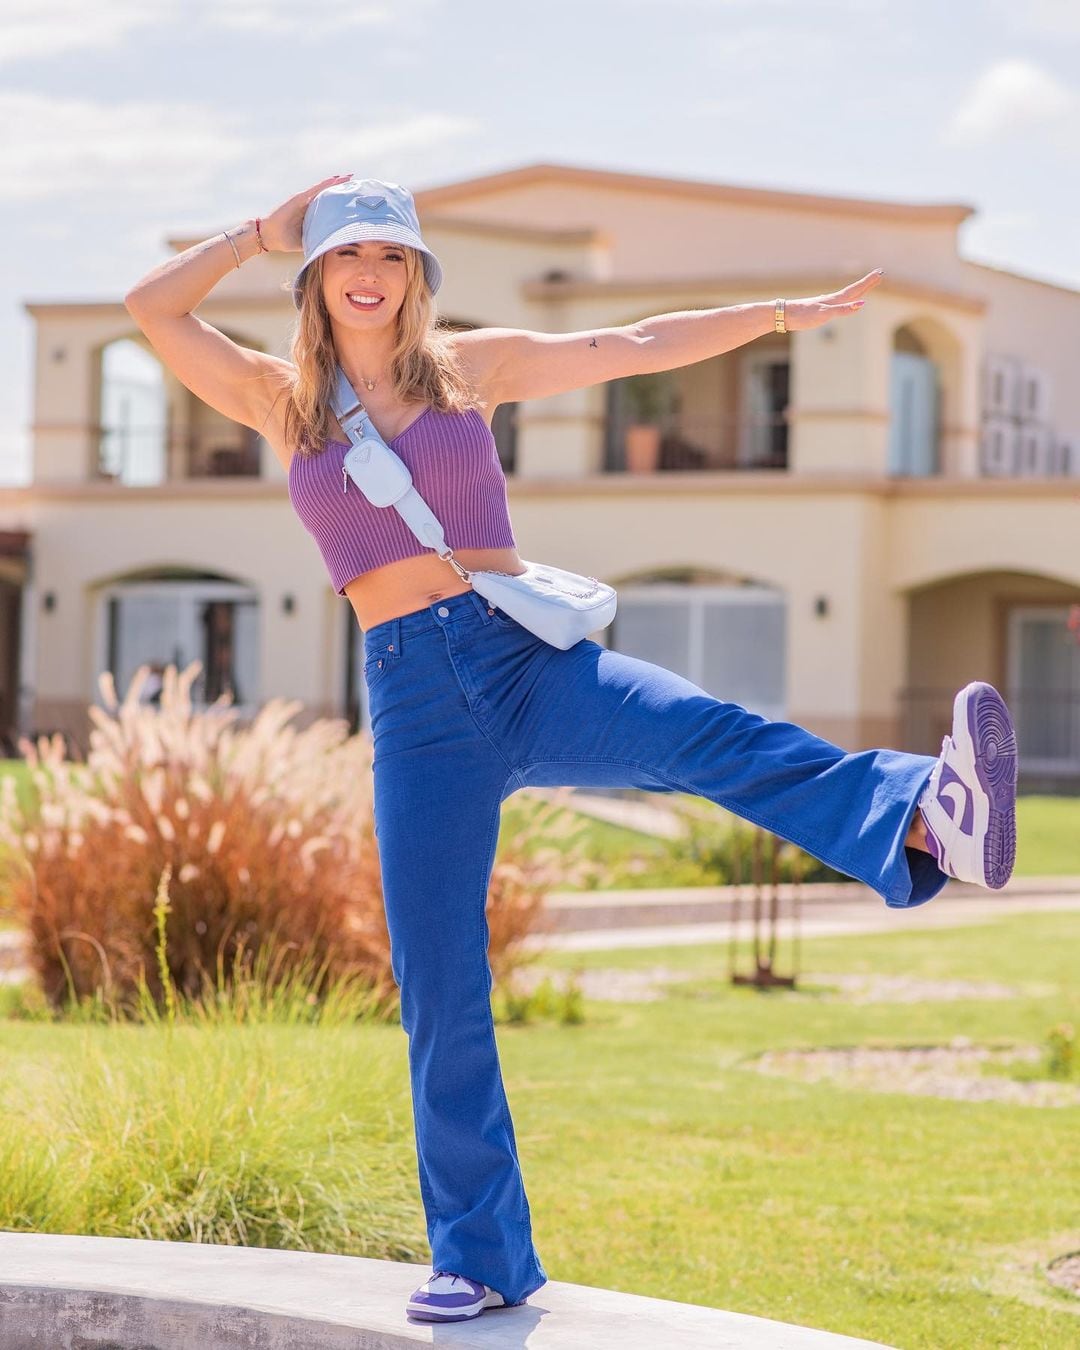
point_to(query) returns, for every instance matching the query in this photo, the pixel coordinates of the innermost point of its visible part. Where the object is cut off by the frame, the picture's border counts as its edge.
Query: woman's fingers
(314, 191)
(849, 295)
(858, 288)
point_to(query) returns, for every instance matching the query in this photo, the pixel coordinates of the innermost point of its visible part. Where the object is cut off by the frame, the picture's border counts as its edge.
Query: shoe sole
(993, 741)
(426, 1313)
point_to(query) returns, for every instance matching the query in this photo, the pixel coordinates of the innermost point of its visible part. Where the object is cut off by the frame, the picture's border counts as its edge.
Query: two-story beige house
(838, 527)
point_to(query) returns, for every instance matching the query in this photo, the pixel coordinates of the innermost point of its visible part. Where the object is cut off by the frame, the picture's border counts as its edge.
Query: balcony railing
(146, 455)
(1047, 727)
(707, 443)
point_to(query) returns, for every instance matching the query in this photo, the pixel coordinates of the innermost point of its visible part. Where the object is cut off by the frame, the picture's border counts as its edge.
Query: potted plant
(649, 398)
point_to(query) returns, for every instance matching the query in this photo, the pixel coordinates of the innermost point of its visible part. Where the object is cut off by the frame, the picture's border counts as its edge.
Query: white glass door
(1044, 689)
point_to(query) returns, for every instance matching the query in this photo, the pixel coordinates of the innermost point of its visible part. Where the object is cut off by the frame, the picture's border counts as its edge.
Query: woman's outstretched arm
(516, 363)
(687, 336)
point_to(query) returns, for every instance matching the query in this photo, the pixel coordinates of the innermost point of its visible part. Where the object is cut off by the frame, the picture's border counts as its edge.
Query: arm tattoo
(592, 343)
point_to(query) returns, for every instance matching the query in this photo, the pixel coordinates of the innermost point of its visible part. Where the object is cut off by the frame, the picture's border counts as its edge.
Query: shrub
(265, 832)
(547, 850)
(731, 851)
(650, 396)
(545, 1003)
(1061, 1057)
(254, 1135)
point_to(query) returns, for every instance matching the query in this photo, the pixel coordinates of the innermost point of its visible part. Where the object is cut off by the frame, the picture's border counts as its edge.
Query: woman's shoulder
(473, 358)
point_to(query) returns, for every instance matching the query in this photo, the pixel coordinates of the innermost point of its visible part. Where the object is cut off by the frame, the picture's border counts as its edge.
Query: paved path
(827, 911)
(679, 916)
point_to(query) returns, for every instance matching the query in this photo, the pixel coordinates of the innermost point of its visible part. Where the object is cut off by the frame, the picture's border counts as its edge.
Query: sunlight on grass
(657, 1161)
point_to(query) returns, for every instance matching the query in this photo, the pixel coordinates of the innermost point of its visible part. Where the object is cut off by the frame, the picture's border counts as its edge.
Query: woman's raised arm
(228, 377)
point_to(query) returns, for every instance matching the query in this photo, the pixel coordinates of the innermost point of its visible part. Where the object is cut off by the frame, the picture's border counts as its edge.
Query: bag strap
(410, 505)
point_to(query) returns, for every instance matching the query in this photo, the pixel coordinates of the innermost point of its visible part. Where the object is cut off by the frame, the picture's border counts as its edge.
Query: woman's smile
(364, 299)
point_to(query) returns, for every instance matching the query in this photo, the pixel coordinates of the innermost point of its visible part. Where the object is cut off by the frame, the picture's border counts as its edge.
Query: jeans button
(443, 611)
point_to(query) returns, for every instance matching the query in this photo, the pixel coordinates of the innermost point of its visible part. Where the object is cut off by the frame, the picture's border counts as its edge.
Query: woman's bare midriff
(414, 583)
(400, 587)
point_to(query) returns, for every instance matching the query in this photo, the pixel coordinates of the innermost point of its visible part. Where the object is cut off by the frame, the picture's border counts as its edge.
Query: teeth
(366, 299)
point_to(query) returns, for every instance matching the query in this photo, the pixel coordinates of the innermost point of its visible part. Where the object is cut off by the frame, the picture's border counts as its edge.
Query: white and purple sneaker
(969, 804)
(447, 1297)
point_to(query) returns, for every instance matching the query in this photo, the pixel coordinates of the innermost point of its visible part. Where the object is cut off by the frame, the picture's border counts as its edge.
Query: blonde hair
(423, 364)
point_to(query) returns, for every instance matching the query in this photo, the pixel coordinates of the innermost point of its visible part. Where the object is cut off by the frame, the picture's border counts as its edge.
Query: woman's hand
(800, 315)
(282, 229)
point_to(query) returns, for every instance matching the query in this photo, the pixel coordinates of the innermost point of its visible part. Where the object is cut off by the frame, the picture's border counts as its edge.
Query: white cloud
(181, 166)
(799, 7)
(1014, 96)
(278, 18)
(76, 149)
(1048, 18)
(358, 147)
(36, 29)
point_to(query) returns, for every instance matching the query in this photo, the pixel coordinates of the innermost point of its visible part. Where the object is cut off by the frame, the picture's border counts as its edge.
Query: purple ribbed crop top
(455, 467)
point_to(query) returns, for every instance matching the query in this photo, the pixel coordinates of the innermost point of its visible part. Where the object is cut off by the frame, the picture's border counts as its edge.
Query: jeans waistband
(465, 607)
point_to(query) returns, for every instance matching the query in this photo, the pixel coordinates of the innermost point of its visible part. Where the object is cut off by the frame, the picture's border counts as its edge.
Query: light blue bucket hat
(363, 208)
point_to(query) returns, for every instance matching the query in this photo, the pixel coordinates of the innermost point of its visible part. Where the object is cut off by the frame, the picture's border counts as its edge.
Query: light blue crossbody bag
(559, 606)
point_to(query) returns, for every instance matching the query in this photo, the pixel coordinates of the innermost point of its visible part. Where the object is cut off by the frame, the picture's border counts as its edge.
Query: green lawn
(657, 1164)
(1048, 836)
(656, 1160)
(1048, 844)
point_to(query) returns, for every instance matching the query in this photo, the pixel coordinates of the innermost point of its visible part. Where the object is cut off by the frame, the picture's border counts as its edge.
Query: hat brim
(362, 229)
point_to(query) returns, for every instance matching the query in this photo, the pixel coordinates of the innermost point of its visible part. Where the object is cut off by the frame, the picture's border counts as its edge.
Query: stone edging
(65, 1292)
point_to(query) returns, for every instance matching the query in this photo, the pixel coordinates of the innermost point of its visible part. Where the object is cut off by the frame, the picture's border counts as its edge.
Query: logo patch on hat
(372, 203)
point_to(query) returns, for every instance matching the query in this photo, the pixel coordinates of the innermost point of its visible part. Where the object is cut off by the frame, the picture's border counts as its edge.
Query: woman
(467, 705)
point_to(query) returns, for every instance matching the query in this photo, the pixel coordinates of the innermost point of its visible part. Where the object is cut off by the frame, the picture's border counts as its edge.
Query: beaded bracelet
(778, 317)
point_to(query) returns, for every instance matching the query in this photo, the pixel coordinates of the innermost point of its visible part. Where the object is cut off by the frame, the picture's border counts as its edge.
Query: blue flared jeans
(466, 707)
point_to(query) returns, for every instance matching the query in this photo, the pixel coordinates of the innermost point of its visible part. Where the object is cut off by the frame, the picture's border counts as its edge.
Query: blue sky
(124, 121)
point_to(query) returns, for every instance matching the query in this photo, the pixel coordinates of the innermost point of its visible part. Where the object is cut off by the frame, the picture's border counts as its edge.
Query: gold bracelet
(778, 317)
(228, 236)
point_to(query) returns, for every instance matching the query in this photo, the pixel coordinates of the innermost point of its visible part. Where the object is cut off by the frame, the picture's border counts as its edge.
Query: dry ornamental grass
(266, 830)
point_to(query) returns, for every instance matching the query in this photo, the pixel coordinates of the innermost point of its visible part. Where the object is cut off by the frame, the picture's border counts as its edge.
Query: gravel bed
(648, 984)
(622, 986)
(932, 1071)
(874, 988)
(1065, 1272)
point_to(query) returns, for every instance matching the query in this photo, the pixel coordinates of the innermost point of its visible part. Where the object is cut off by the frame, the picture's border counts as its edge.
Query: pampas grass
(256, 843)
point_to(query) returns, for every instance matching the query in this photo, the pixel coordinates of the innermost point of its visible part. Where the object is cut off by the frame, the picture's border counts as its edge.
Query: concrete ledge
(77, 1293)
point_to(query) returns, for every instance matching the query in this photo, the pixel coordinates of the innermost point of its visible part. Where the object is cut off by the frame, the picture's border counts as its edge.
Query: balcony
(682, 443)
(146, 455)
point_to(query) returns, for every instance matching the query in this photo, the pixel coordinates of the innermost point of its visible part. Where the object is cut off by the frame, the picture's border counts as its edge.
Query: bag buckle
(448, 556)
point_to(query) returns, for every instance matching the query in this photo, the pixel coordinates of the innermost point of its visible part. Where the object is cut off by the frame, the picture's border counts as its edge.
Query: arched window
(133, 436)
(170, 618)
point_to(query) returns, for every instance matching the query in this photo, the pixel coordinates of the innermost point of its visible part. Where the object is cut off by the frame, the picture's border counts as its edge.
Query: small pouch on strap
(379, 474)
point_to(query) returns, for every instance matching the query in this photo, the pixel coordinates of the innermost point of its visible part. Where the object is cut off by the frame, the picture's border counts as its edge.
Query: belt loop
(395, 635)
(481, 604)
